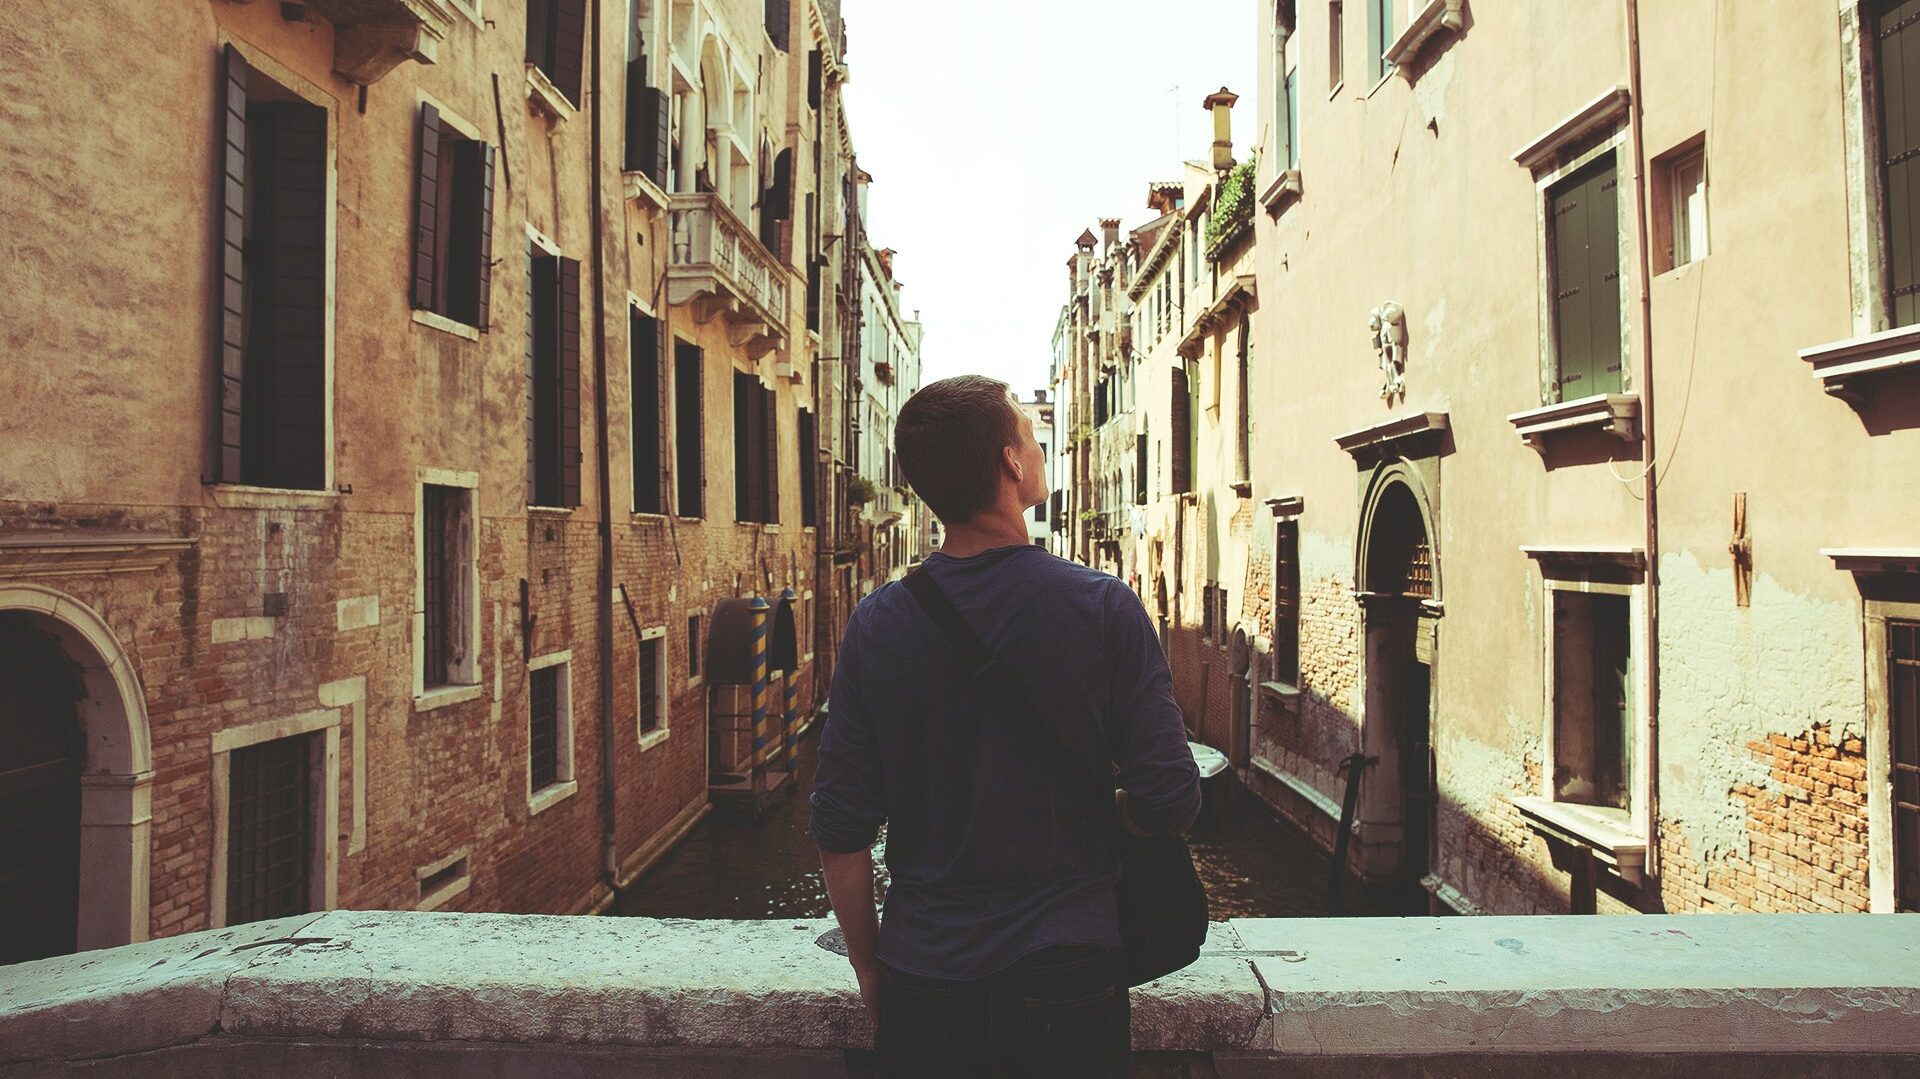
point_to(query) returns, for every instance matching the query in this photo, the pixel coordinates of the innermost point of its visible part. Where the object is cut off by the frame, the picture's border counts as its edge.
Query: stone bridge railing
(383, 993)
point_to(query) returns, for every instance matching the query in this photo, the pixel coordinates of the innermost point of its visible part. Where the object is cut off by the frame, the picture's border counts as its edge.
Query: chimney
(1039, 397)
(1109, 233)
(1086, 241)
(1221, 105)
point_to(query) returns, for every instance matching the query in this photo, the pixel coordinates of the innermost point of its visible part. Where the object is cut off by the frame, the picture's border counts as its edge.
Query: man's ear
(1011, 459)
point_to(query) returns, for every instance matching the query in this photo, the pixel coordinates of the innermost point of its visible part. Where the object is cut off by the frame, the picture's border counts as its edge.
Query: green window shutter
(1585, 254)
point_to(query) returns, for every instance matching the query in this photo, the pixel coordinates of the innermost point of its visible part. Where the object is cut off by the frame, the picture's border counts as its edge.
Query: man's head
(968, 450)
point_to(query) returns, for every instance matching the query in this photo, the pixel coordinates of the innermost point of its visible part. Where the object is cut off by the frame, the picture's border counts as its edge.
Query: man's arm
(850, 889)
(1159, 783)
(849, 805)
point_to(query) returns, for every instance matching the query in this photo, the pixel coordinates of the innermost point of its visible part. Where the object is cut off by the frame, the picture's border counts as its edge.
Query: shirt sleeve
(1148, 736)
(849, 791)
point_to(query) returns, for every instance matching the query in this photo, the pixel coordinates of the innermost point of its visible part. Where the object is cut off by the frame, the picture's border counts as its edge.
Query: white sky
(996, 130)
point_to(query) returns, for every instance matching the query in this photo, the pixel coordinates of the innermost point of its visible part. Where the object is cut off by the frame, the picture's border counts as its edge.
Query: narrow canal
(1254, 865)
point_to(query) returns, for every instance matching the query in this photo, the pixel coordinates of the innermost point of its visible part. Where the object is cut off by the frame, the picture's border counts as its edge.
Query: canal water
(1254, 865)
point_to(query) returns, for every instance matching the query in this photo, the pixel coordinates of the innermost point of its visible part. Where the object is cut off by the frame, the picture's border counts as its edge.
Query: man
(998, 955)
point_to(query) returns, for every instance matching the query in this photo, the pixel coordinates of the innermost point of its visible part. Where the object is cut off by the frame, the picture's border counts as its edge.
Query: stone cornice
(34, 555)
(1586, 122)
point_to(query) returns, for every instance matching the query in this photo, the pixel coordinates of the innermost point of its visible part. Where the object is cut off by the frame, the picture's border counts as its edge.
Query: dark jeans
(1061, 1012)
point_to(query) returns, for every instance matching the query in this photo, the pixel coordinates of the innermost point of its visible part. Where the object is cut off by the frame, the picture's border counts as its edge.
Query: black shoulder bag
(1163, 908)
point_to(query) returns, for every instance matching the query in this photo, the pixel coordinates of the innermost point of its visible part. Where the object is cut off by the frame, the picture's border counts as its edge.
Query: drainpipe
(610, 856)
(1650, 479)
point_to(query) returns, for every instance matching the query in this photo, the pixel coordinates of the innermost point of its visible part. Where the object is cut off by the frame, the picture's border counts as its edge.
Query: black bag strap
(1041, 736)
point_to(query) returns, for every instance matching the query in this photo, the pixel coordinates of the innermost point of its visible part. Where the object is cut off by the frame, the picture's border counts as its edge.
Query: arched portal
(75, 775)
(1398, 574)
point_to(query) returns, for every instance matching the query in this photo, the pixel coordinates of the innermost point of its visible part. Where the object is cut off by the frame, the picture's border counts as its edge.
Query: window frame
(1880, 613)
(1567, 576)
(468, 685)
(663, 701)
(1545, 180)
(662, 407)
(323, 876)
(565, 784)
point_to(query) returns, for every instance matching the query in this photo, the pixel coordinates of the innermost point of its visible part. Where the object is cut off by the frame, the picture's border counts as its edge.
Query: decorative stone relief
(1387, 326)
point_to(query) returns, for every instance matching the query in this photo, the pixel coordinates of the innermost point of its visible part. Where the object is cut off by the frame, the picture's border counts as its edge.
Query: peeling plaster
(1430, 93)
(1730, 676)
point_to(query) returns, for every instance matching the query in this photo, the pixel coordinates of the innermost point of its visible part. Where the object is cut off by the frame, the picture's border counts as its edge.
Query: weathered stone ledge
(1699, 987)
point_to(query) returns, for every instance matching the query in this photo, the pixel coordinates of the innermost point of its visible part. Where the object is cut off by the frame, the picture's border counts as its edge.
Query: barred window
(270, 830)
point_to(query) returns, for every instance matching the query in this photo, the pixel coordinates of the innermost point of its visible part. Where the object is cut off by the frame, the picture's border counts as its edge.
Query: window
(689, 420)
(549, 729)
(804, 425)
(1207, 625)
(554, 375)
(271, 826)
(649, 122)
(776, 202)
(1293, 118)
(1336, 40)
(1583, 242)
(270, 371)
(1380, 36)
(556, 37)
(756, 444)
(453, 222)
(1680, 226)
(1181, 437)
(1140, 470)
(649, 412)
(1040, 512)
(1592, 683)
(816, 78)
(441, 881)
(1242, 449)
(1903, 683)
(779, 24)
(447, 583)
(1286, 87)
(1896, 33)
(693, 648)
(1286, 603)
(650, 711)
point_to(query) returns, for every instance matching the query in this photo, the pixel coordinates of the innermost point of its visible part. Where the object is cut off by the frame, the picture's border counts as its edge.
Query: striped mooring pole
(791, 724)
(760, 611)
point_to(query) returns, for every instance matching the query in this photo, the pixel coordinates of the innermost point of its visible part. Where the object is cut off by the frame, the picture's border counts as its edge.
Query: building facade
(1580, 402)
(457, 364)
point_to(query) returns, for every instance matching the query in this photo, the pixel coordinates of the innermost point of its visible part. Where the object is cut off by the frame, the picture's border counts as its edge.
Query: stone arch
(116, 782)
(1397, 500)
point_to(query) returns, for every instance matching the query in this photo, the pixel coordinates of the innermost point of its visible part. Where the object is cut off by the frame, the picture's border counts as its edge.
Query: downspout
(1649, 478)
(609, 852)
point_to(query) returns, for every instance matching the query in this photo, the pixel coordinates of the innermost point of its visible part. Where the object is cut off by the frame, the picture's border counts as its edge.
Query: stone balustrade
(427, 994)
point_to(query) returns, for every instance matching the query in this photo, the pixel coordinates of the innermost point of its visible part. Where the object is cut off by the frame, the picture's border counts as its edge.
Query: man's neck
(985, 532)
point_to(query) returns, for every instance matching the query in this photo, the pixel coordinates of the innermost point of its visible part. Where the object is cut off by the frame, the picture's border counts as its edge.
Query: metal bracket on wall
(527, 619)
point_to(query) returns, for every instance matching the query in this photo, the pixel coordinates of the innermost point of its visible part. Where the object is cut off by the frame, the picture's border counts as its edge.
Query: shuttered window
(446, 586)
(1584, 243)
(1897, 66)
(776, 202)
(648, 121)
(651, 677)
(756, 451)
(689, 422)
(778, 23)
(1180, 437)
(1380, 35)
(453, 222)
(816, 78)
(1140, 470)
(649, 412)
(770, 455)
(1286, 603)
(270, 826)
(556, 38)
(555, 467)
(809, 439)
(543, 728)
(269, 385)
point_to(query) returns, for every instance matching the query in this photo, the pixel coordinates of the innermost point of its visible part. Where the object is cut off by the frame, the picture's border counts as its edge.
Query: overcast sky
(996, 130)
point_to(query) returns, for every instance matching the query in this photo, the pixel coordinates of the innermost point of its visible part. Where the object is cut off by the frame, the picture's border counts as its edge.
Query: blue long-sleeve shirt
(1007, 862)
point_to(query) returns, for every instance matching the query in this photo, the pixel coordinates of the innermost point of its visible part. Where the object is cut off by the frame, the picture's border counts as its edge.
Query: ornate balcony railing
(719, 268)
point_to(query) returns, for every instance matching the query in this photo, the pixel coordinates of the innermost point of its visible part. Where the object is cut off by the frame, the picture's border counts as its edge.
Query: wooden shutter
(569, 382)
(659, 112)
(770, 456)
(746, 447)
(426, 208)
(816, 72)
(1896, 36)
(1178, 449)
(569, 46)
(777, 23)
(1140, 470)
(484, 297)
(230, 340)
(809, 440)
(1586, 282)
(297, 291)
(544, 452)
(689, 422)
(644, 359)
(539, 32)
(635, 156)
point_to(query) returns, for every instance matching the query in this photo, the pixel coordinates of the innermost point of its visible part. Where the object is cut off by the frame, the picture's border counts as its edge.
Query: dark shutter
(539, 31)
(230, 339)
(808, 436)
(770, 455)
(1286, 603)
(484, 298)
(688, 421)
(813, 293)
(746, 446)
(815, 78)
(644, 357)
(1140, 470)
(1178, 450)
(426, 207)
(569, 382)
(636, 119)
(1897, 66)
(777, 21)
(776, 203)
(297, 290)
(659, 112)
(544, 489)
(1586, 281)
(465, 244)
(569, 46)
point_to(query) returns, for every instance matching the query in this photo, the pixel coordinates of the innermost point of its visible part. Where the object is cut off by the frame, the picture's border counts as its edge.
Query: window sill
(1283, 192)
(643, 517)
(444, 894)
(654, 738)
(445, 696)
(1337, 87)
(547, 797)
(546, 97)
(241, 496)
(1842, 365)
(1284, 692)
(1438, 15)
(437, 321)
(1617, 414)
(1385, 78)
(1608, 833)
(639, 187)
(550, 511)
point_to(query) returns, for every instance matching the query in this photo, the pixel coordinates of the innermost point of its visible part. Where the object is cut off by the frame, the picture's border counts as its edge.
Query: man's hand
(1120, 807)
(849, 880)
(870, 991)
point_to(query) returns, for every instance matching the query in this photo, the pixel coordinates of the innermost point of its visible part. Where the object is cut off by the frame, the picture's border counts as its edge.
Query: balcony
(720, 269)
(372, 37)
(432, 994)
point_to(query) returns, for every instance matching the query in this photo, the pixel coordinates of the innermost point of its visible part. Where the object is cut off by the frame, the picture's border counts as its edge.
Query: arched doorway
(75, 778)
(1399, 591)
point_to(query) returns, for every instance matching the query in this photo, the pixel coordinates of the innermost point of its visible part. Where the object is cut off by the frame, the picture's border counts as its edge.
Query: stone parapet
(371, 992)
